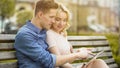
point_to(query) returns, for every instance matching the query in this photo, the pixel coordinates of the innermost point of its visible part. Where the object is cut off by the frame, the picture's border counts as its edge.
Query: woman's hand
(84, 52)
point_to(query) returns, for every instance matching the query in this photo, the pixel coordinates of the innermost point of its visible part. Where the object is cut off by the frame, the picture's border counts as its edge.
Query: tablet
(95, 56)
(98, 54)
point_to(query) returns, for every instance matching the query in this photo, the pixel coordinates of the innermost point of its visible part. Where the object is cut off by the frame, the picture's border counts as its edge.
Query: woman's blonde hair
(62, 8)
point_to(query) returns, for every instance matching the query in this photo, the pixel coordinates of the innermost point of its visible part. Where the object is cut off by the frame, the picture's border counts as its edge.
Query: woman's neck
(56, 31)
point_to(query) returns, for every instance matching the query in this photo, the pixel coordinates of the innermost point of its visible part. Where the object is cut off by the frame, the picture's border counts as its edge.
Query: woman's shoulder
(64, 34)
(51, 33)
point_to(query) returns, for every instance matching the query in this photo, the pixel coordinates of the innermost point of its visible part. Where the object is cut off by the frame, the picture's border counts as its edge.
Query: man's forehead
(52, 11)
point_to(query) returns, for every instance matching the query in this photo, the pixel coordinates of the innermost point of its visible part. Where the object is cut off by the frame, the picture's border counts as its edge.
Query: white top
(55, 39)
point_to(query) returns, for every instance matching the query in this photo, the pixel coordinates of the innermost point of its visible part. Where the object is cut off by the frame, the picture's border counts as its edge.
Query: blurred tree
(23, 16)
(119, 28)
(7, 8)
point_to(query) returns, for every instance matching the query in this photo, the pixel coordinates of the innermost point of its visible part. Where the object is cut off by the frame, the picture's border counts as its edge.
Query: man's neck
(36, 22)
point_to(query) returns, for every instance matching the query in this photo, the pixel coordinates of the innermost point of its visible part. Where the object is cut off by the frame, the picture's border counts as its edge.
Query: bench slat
(107, 48)
(7, 37)
(104, 56)
(89, 43)
(86, 38)
(96, 49)
(8, 65)
(113, 66)
(78, 43)
(110, 60)
(80, 64)
(7, 55)
(6, 46)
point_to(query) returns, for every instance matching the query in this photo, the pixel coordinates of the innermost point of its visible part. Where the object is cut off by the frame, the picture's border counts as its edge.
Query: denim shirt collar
(34, 28)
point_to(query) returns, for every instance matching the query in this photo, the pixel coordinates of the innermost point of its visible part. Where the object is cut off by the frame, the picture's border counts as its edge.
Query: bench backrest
(7, 52)
(98, 43)
(8, 58)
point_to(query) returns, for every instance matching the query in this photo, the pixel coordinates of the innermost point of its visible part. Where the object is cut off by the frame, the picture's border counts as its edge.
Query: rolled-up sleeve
(27, 44)
(54, 59)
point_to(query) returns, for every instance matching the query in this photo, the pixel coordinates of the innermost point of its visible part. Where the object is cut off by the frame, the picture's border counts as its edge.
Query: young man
(30, 42)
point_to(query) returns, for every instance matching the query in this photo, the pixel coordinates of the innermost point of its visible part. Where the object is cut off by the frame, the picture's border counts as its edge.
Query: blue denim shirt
(32, 49)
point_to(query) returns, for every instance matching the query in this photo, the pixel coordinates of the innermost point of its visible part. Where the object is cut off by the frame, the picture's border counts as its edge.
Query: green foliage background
(114, 44)
(7, 7)
(23, 16)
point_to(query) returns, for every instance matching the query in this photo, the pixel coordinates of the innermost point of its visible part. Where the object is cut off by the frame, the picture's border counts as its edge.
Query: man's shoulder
(23, 31)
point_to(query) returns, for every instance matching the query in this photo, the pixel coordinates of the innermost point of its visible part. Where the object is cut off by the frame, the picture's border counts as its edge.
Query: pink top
(55, 39)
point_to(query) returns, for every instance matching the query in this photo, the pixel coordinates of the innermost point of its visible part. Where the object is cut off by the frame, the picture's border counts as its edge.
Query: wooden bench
(98, 43)
(8, 58)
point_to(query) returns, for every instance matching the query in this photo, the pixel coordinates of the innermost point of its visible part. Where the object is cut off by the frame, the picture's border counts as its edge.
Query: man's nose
(53, 20)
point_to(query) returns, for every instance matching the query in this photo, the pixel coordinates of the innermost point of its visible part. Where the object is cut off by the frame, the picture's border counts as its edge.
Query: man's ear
(39, 14)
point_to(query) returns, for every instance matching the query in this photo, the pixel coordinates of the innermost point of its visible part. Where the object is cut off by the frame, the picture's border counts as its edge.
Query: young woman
(58, 43)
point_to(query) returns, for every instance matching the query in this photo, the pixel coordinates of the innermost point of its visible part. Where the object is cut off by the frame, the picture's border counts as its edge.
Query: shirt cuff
(54, 59)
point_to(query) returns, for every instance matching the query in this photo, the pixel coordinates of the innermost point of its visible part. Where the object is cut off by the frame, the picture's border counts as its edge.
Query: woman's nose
(62, 22)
